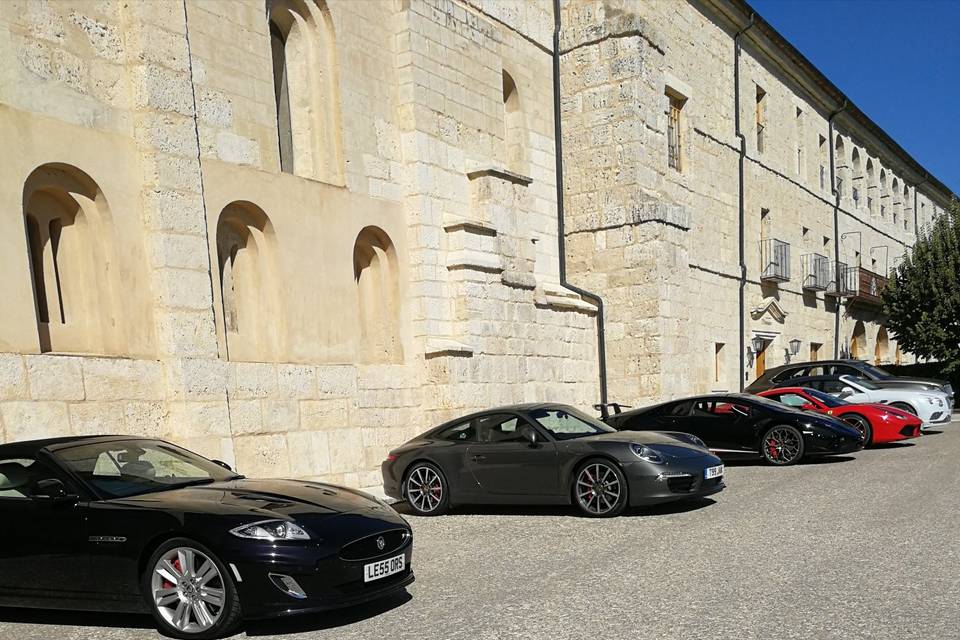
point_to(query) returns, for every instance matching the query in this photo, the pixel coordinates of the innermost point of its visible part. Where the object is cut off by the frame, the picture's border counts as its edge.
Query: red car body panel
(885, 427)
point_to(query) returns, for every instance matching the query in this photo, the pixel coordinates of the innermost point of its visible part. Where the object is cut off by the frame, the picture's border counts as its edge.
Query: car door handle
(478, 458)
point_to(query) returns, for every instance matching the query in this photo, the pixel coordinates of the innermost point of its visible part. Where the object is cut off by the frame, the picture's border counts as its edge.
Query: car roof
(30, 447)
(705, 396)
(522, 407)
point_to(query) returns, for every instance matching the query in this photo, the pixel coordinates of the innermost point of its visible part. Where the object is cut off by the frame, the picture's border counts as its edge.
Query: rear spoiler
(604, 409)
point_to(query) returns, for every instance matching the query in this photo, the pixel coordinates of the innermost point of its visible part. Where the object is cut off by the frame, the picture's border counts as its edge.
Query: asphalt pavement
(859, 546)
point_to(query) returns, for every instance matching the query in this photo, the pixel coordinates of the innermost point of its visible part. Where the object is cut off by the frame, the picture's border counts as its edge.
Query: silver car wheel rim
(424, 489)
(188, 590)
(598, 488)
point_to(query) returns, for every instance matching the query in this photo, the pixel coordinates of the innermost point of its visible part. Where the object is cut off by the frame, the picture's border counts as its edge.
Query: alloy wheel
(425, 489)
(862, 426)
(188, 590)
(782, 445)
(598, 488)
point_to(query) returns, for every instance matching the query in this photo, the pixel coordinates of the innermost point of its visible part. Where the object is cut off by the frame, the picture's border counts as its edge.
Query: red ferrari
(877, 422)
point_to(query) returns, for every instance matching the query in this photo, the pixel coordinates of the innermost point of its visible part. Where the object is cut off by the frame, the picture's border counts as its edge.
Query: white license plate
(713, 472)
(383, 568)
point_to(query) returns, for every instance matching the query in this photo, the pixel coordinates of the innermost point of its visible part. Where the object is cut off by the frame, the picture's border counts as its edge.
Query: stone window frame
(676, 96)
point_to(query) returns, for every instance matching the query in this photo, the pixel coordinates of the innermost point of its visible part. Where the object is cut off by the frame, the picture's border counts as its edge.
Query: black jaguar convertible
(547, 454)
(125, 524)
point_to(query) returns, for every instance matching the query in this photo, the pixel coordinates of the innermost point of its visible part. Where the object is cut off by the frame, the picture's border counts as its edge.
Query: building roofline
(738, 13)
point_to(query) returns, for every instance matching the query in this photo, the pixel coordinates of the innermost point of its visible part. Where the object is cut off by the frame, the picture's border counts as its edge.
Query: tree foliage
(922, 300)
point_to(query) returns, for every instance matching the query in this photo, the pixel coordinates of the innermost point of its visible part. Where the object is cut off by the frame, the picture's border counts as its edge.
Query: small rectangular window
(717, 361)
(674, 132)
(761, 117)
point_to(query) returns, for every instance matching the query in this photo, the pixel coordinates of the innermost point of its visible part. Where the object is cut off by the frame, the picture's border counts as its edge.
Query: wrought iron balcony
(774, 261)
(816, 272)
(869, 285)
(842, 281)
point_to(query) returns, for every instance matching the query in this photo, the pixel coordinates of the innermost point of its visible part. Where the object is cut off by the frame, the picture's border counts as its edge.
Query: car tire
(426, 489)
(903, 406)
(862, 425)
(194, 612)
(782, 445)
(600, 489)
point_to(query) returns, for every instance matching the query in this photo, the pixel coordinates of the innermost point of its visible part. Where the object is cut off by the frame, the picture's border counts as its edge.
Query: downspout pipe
(561, 240)
(836, 224)
(740, 197)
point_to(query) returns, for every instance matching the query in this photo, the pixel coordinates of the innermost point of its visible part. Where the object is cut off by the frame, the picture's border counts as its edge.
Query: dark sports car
(738, 425)
(125, 524)
(547, 454)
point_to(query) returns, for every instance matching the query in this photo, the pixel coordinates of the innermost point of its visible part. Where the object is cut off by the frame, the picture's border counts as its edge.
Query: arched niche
(515, 127)
(881, 350)
(306, 88)
(253, 316)
(858, 341)
(73, 262)
(842, 168)
(376, 277)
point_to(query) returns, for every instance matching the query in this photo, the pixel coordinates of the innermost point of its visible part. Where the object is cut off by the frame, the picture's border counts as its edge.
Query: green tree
(922, 300)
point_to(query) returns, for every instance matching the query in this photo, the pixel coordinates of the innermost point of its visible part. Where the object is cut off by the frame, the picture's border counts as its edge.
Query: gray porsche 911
(547, 454)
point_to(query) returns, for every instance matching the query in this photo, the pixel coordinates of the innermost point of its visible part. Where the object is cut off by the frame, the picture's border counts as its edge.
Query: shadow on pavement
(308, 622)
(679, 506)
(760, 462)
(58, 617)
(892, 445)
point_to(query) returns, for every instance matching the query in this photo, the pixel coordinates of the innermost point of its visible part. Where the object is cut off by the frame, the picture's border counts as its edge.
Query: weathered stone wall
(171, 112)
(661, 245)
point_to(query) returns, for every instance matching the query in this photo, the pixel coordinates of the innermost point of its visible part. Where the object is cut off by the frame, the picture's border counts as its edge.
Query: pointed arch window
(377, 285)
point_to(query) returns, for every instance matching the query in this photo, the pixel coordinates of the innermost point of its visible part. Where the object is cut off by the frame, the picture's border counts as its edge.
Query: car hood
(267, 498)
(832, 423)
(888, 383)
(661, 441)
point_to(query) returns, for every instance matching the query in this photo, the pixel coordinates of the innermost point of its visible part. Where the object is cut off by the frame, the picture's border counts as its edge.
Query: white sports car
(933, 407)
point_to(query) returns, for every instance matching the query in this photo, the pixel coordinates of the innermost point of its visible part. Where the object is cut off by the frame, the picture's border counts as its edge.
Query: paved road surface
(864, 546)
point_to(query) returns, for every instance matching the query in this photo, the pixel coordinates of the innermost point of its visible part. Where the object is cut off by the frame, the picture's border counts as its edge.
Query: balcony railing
(842, 280)
(869, 285)
(774, 261)
(816, 272)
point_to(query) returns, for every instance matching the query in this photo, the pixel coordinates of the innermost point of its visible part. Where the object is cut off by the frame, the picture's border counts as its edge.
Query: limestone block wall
(248, 294)
(661, 244)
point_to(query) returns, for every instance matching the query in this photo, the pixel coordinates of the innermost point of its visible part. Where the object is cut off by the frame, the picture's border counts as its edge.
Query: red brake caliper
(176, 565)
(772, 447)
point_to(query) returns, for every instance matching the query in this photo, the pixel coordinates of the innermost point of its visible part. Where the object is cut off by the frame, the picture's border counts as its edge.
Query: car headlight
(935, 401)
(646, 453)
(271, 531)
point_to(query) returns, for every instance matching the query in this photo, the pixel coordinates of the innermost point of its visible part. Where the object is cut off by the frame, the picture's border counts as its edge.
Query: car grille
(369, 547)
(680, 484)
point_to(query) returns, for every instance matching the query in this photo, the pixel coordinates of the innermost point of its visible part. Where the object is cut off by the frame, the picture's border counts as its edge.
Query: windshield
(881, 374)
(134, 467)
(860, 382)
(566, 423)
(832, 402)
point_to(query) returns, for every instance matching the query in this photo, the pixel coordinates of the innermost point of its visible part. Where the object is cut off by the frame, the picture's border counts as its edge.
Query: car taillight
(391, 457)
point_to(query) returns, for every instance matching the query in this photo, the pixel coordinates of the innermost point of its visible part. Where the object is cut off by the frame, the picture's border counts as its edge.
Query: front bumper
(678, 479)
(327, 580)
(938, 416)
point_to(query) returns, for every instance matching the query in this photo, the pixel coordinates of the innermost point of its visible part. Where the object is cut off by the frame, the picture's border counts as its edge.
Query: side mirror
(222, 464)
(529, 434)
(54, 492)
(846, 391)
(808, 406)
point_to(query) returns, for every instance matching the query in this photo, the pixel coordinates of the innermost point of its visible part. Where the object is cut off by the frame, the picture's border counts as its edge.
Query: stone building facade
(673, 112)
(291, 234)
(288, 234)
